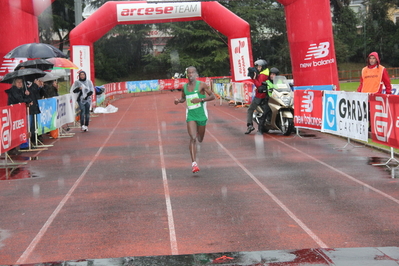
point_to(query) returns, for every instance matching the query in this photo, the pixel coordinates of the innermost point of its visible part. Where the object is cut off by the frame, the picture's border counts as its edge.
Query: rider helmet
(261, 62)
(275, 71)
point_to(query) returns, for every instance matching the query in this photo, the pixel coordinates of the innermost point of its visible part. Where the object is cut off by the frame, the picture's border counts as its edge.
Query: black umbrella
(35, 50)
(41, 64)
(27, 74)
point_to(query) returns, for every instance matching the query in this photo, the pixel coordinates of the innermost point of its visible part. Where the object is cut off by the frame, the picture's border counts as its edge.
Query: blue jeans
(84, 113)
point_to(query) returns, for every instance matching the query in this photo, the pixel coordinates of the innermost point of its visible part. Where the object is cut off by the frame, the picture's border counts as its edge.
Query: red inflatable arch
(134, 12)
(19, 25)
(309, 30)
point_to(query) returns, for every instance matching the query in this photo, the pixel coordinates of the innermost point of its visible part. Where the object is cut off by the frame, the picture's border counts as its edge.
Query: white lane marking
(342, 173)
(22, 259)
(171, 223)
(271, 195)
(331, 167)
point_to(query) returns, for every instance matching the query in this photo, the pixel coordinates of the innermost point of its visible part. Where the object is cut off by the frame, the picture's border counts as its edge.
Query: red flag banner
(13, 126)
(384, 111)
(308, 108)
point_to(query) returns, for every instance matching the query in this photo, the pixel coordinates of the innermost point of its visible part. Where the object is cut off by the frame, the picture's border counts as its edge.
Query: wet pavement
(123, 194)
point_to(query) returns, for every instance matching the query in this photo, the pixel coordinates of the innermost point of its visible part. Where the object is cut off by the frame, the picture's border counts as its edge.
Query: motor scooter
(281, 103)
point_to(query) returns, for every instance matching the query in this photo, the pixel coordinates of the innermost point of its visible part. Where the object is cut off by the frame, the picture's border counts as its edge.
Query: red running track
(125, 188)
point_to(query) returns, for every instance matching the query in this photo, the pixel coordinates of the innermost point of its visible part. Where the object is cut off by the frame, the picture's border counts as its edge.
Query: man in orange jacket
(373, 76)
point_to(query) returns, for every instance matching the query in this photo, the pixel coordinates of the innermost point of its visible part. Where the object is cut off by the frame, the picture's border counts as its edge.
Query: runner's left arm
(209, 91)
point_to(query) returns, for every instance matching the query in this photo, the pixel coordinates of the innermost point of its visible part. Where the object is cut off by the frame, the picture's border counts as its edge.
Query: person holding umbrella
(36, 92)
(51, 89)
(84, 88)
(16, 94)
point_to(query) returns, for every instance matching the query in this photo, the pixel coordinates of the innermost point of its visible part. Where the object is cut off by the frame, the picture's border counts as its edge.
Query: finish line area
(123, 194)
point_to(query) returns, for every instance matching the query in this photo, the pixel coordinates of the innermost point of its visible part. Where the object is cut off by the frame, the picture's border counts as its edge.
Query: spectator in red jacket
(373, 76)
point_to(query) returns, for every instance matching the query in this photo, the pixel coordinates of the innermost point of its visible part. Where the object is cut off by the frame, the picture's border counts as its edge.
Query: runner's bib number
(191, 105)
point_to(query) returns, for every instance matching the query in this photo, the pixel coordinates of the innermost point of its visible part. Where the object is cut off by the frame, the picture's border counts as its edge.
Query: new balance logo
(307, 102)
(9, 64)
(318, 51)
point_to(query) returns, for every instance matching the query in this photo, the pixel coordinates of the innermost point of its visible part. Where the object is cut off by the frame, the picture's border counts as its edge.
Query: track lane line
(329, 166)
(28, 251)
(171, 223)
(272, 196)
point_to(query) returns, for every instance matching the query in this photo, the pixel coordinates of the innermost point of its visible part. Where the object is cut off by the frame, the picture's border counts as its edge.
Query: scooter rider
(270, 86)
(258, 75)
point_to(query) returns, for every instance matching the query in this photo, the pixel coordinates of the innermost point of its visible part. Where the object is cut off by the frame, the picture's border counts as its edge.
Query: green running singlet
(195, 111)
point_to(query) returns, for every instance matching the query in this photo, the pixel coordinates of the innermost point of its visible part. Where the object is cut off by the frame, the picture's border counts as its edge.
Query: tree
(194, 44)
(58, 19)
(268, 30)
(346, 38)
(379, 32)
(119, 53)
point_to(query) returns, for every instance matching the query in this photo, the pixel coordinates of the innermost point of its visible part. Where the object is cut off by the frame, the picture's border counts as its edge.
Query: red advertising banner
(13, 128)
(384, 110)
(248, 89)
(308, 109)
(115, 88)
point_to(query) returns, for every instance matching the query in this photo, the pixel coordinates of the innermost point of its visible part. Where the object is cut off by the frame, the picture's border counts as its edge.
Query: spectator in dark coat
(17, 93)
(51, 89)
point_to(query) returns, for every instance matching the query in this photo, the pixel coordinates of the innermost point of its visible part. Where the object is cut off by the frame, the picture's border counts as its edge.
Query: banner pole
(392, 158)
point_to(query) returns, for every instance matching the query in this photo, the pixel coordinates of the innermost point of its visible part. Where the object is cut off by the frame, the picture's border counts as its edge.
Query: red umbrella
(62, 63)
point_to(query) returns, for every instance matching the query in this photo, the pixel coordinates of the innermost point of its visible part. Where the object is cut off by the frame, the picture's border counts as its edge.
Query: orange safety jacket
(372, 79)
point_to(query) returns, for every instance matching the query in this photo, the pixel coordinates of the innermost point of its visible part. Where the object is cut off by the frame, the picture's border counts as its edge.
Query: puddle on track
(16, 173)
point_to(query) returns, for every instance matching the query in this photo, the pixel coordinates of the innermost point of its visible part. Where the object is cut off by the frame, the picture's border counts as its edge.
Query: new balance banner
(384, 111)
(346, 114)
(13, 126)
(46, 120)
(308, 109)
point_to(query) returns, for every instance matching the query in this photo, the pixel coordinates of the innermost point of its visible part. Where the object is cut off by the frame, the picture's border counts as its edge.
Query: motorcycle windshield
(281, 84)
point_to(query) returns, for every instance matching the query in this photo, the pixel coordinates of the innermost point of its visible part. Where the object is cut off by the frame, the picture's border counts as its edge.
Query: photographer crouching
(258, 74)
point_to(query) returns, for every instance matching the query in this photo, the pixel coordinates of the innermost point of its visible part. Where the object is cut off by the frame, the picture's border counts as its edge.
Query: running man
(197, 93)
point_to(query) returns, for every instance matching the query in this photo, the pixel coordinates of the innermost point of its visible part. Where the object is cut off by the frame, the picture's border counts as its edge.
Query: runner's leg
(192, 132)
(201, 133)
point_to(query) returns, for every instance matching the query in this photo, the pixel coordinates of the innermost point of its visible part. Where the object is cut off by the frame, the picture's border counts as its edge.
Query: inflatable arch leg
(310, 36)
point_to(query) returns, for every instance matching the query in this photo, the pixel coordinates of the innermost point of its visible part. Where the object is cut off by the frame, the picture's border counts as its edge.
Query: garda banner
(46, 120)
(384, 111)
(65, 110)
(346, 114)
(395, 89)
(308, 109)
(13, 126)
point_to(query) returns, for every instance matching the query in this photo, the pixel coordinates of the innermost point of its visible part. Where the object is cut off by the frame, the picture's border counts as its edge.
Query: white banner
(240, 53)
(65, 110)
(238, 92)
(81, 58)
(157, 11)
(395, 89)
(346, 114)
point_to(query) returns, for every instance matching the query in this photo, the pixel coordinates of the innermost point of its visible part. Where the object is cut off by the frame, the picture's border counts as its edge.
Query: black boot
(250, 129)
